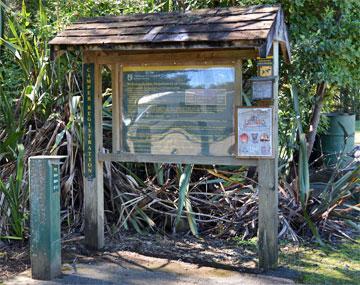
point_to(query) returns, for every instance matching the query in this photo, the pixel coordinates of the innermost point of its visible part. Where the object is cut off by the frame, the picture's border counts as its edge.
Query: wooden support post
(45, 242)
(238, 84)
(93, 168)
(116, 123)
(268, 189)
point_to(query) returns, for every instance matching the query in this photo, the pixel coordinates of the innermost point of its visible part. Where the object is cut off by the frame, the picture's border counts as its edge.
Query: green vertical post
(45, 240)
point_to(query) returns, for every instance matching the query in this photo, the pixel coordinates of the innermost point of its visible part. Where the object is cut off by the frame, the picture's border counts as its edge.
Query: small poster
(262, 88)
(254, 132)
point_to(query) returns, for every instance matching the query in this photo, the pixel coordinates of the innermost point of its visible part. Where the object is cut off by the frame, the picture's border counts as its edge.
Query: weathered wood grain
(169, 46)
(168, 29)
(183, 159)
(216, 57)
(268, 215)
(116, 106)
(94, 187)
(188, 21)
(159, 38)
(201, 14)
(140, 24)
(236, 27)
(218, 25)
(268, 189)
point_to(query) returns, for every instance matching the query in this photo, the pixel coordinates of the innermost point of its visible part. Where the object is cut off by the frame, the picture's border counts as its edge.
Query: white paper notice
(254, 132)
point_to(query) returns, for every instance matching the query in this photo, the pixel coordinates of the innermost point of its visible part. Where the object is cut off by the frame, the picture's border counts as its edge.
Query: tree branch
(315, 117)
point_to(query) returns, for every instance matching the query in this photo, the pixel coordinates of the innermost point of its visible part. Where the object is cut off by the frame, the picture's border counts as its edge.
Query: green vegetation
(41, 113)
(332, 263)
(41, 109)
(329, 264)
(15, 197)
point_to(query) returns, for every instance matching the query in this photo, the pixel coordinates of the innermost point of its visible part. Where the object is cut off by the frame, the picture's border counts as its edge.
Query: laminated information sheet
(254, 132)
(179, 110)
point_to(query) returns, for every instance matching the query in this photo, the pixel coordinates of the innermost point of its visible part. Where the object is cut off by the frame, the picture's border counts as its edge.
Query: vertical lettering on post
(89, 120)
(55, 178)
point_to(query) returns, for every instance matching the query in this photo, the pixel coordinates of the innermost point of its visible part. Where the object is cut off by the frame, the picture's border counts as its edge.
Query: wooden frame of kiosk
(177, 98)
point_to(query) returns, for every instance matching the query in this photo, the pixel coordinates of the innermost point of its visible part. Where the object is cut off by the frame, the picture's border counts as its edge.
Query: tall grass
(28, 98)
(16, 196)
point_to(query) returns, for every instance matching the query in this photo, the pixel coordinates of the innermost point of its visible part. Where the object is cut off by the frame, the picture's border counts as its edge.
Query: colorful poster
(254, 132)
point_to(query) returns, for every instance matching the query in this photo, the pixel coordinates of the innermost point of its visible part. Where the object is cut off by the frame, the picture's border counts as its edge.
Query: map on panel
(179, 110)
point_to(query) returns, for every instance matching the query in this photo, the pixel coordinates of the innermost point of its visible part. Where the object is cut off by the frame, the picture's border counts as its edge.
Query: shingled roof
(251, 27)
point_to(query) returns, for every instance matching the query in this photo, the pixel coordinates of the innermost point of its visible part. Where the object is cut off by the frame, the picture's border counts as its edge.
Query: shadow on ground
(134, 269)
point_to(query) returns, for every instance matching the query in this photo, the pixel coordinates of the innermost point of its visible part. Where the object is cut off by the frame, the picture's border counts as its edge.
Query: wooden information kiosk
(177, 98)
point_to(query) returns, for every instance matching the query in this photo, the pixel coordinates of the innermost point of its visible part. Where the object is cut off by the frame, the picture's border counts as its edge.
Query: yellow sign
(265, 70)
(264, 66)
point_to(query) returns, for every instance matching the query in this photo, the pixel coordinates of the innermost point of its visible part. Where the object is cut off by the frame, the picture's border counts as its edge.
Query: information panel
(254, 132)
(179, 110)
(262, 89)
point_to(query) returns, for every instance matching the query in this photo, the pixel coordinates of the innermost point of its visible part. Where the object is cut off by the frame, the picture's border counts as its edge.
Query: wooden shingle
(251, 27)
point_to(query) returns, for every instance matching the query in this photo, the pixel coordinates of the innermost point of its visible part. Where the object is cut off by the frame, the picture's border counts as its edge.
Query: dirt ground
(136, 269)
(210, 252)
(14, 258)
(214, 253)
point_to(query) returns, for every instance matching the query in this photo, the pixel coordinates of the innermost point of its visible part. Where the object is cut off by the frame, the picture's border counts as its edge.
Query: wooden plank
(172, 46)
(238, 83)
(183, 159)
(105, 31)
(96, 40)
(268, 190)
(169, 29)
(93, 187)
(184, 63)
(276, 94)
(115, 82)
(213, 36)
(121, 90)
(217, 27)
(172, 22)
(238, 98)
(160, 38)
(169, 58)
(268, 215)
(246, 10)
(152, 34)
(201, 13)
